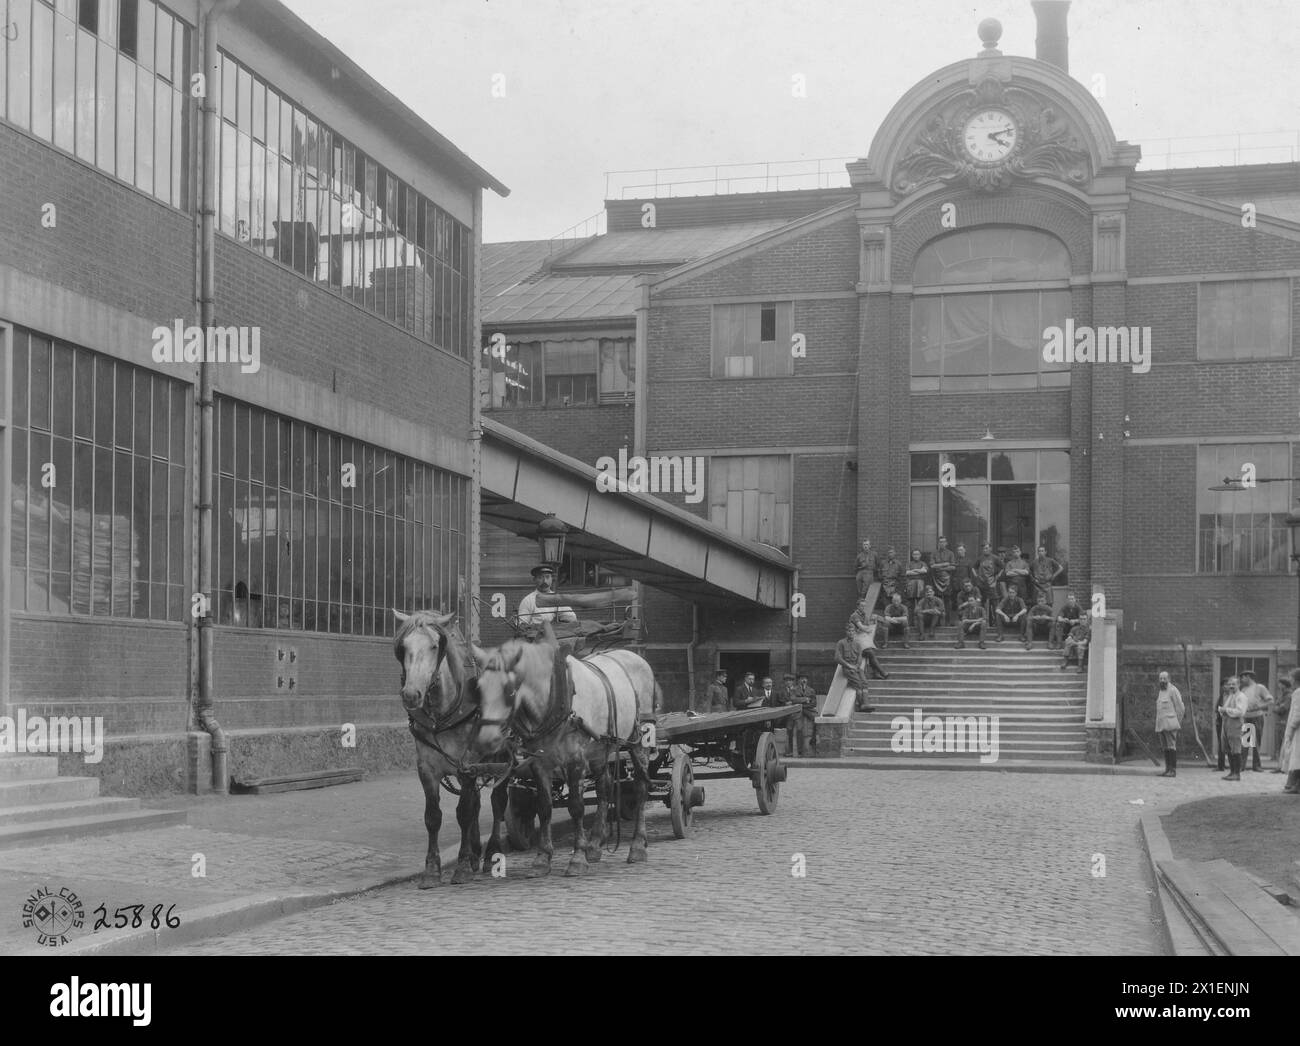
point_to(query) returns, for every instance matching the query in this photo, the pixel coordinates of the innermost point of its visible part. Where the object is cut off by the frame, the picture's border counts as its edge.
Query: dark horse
(441, 698)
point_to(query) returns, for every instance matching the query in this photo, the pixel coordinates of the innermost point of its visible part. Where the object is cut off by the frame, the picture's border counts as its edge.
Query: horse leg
(432, 874)
(596, 837)
(640, 782)
(577, 811)
(545, 848)
(494, 847)
(467, 860)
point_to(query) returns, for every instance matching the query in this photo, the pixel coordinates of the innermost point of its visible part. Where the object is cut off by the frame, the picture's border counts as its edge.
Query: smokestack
(1053, 41)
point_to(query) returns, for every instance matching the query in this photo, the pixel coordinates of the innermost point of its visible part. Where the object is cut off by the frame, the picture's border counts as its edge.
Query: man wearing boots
(1041, 616)
(1234, 711)
(972, 622)
(849, 659)
(866, 568)
(1291, 739)
(1258, 702)
(1012, 613)
(1169, 717)
(929, 612)
(942, 568)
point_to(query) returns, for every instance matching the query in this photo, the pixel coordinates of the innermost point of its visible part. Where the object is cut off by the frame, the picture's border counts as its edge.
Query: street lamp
(550, 539)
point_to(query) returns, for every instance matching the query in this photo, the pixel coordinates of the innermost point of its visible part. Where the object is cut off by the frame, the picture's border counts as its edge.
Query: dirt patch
(1260, 833)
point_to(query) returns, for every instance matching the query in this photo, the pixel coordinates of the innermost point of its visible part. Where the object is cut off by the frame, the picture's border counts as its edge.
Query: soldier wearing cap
(719, 699)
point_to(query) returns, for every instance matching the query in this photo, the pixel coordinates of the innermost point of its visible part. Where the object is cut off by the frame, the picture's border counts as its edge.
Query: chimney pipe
(1053, 41)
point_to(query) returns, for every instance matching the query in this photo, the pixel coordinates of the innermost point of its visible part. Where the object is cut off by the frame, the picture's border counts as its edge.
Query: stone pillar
(875, 389)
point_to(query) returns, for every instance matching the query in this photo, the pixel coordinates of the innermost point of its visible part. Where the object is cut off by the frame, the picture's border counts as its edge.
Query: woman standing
(1291, 739)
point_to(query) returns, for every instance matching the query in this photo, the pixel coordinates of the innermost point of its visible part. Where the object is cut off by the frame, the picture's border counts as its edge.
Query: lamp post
(550, 535)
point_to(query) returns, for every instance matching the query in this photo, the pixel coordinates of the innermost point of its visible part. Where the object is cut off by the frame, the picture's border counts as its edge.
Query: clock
(990, 135)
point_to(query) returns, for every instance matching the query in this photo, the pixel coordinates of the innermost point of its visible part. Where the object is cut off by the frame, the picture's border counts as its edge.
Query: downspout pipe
(206, 711)
(794, 625)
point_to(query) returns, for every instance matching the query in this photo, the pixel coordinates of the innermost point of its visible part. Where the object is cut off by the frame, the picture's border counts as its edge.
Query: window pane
(969, 464)
(162, 147)
(62, 388)
(229, 89)
(85, 94)
(145, 35)
(126, 121)
(163, 46)
(40, 383)
(65, 81)
(144, 91)
(965, 516)
(128, 27)
(925, 467)
(229, 179)
(106, 109)
(42, 72)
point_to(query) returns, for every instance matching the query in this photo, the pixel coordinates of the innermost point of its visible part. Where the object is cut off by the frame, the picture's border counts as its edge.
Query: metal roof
(662, 246)
(569, 298)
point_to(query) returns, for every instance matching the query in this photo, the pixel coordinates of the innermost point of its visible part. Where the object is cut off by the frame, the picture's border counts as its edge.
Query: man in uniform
(850, 660)
(988, 569)
(1041, 617)
(718, 698)
(896, 616)
(929, 611)
(866, 568)
(807, 697)
(1076, 644)
(918, 572)
(1043, 572)
(795, 727)
(868, 631)
(942, 568)
(1012, 613)
(1015, 571)
(962, 571)
(1065, 620)
(972, 621)
(1233, 711)
(891, 575)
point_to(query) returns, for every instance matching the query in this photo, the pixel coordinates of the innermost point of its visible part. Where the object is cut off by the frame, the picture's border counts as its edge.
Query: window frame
(1243, 280)
(1259, 492)
(752, 313)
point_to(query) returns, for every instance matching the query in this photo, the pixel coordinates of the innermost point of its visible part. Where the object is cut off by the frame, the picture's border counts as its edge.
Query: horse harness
(561, 709)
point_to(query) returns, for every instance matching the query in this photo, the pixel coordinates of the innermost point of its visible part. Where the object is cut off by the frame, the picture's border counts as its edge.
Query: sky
(549, 95)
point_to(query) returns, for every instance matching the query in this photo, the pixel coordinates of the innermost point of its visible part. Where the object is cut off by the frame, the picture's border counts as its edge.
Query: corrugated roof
(564, 298)
(660, 246)
(506, 264)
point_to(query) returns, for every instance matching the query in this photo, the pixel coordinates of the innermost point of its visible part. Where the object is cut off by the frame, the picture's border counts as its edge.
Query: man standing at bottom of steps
(1169, 718)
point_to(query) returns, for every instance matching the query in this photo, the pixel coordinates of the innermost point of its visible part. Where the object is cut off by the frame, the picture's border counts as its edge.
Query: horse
(521, 709)
(440, 695)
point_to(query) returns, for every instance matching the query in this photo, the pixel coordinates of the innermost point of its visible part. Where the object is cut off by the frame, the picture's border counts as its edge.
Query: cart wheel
(681, 794)
(768, 773)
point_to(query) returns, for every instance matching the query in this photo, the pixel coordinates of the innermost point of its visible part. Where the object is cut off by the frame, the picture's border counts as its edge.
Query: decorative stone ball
(990, 31)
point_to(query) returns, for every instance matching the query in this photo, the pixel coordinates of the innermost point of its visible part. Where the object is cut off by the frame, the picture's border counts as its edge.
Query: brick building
(870, 362)
(204, 577)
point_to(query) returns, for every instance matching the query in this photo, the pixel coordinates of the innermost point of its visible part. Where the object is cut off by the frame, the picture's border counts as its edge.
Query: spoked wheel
(768, 773)
(681, 796)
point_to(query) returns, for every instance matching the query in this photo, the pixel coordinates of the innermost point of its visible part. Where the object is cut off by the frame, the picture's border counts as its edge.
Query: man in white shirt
(530, 613)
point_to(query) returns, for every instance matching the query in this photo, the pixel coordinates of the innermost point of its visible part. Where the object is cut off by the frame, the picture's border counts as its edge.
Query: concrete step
(47, 790)
(28, 767)
(32, 833)
(913, 684)
(57, 811)
(1005, 754)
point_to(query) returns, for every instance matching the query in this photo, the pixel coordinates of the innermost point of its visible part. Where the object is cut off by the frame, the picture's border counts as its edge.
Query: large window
(752, 340)
(561, 373)
(1241, 319)
(100, 492)
(105, 80)
(295, 191)
(323, 533)
(1004, 497)
(750, 497)
(1242, 531)
(967, 337)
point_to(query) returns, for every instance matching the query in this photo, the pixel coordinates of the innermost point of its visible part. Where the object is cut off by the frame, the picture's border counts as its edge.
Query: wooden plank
(781, 525)
(1270, 918)
(677, 727)
(1238, 934)
(750, 514)
(766, 517)
(750, 472)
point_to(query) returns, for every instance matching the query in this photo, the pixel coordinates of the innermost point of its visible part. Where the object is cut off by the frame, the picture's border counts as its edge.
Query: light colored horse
(520, 708)
(440, 696)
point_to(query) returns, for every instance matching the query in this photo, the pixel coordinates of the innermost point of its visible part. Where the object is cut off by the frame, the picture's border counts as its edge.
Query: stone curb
(851, 763)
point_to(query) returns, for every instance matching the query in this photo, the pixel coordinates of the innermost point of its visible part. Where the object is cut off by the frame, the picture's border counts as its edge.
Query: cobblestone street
(897, 862)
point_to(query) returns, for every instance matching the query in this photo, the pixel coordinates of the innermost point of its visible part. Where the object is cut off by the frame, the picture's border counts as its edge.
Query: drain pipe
(794, 626)
(205, 711)
(692, 689)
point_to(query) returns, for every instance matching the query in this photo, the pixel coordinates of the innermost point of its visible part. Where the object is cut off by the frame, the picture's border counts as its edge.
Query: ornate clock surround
(1048, 143)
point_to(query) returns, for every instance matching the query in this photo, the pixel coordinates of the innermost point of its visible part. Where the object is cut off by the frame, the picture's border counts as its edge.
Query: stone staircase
(38, 806)
(1040, 709)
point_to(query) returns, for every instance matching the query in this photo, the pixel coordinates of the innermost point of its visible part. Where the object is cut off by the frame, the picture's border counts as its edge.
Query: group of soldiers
(1012, 594)
(795, 691)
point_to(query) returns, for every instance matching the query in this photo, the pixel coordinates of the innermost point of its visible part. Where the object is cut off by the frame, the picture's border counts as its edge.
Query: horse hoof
(540, 867)
(636, 854)
(577, 866)
(462, 875)
(428, 880)
(594, 853)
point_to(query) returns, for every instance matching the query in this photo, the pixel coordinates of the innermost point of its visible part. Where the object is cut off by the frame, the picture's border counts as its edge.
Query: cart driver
(529, 614)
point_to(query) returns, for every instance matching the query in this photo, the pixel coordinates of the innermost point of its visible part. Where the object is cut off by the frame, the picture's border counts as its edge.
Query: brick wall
(583, 432)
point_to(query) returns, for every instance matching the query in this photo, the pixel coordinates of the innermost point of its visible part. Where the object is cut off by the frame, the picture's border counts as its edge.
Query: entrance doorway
(1013, 515)
(738, 662)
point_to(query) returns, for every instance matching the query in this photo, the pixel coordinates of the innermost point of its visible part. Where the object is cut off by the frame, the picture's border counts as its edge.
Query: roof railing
(1220, 150)
(583, 230)
(727, 178)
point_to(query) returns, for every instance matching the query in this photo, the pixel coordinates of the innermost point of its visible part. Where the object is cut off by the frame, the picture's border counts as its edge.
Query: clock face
(990, 135)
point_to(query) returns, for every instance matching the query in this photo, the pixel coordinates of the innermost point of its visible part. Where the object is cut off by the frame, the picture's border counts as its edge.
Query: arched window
(981, 302)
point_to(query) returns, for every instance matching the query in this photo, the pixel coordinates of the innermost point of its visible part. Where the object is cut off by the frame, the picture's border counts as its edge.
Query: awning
(637, 535)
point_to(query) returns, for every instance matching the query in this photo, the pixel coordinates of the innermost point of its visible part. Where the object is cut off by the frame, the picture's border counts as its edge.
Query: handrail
(1228, 150)
(1103, 662)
